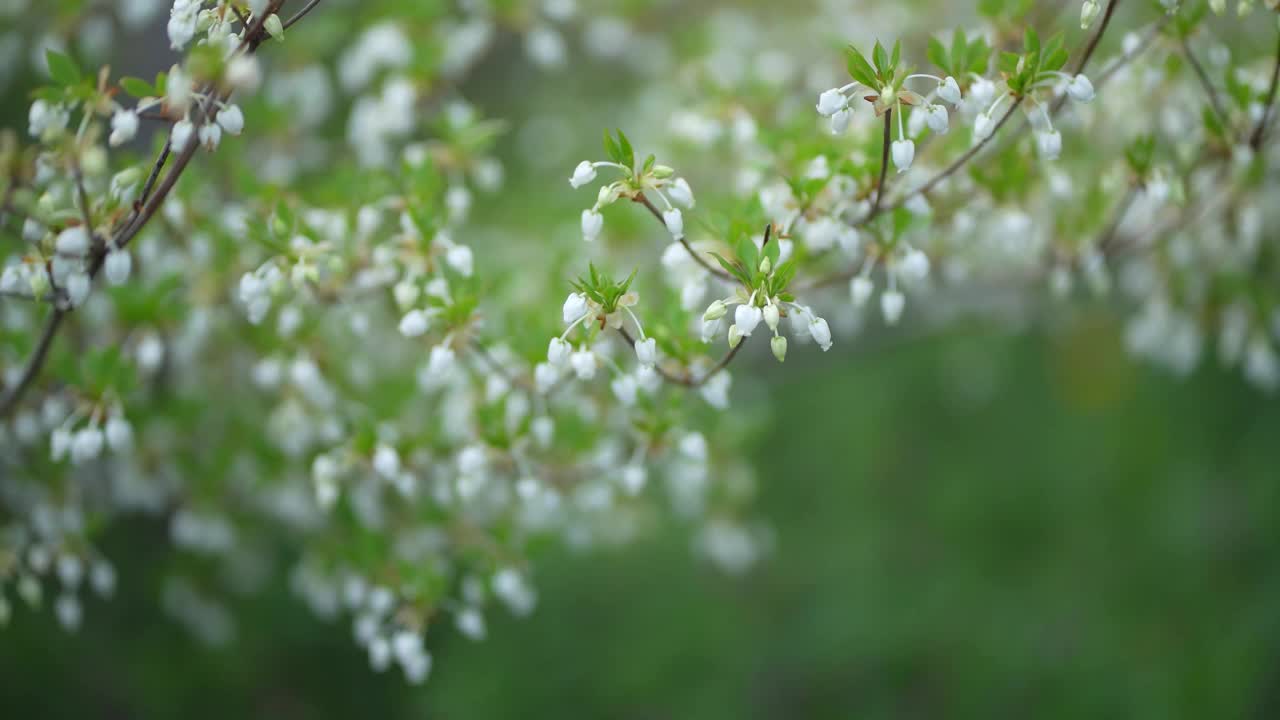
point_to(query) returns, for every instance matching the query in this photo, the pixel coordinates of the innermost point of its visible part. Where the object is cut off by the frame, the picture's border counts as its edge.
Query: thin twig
(1089, 50)
(950, 169)
(684, 241)
(884, 163)
(144, 210)
(687, 379)
(1260, 131)
(11, 396)
(1214, 101)
(301, 14)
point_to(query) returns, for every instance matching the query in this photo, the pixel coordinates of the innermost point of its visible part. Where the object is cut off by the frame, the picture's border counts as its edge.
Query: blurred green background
(973, 525)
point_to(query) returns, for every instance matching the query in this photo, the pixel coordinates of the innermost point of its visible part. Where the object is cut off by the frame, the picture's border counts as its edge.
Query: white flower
(634, 478)
(460, 258)
(1050, 144)
(86, 444)
(117, 266)
(59, 444)
(840, 121)
(937, 119)
(77, 287)
(716, 390)
(558, 352)
(715, 311)
(983, 91)
(647, 351)
(681, 193)
(1080, 89)
(735, 335)
(182, 23)
(982, 126)
(625, 388)
(575, 306)
(72, 241)
(821, 332)
(386, 462)
(181, 136)
(949, 90)
(583, 174)
(746, 318)
(124, 126)
(800, 321)
(583, 362)
(904, 151)
(119, 434)
(831, 102)
(210, 136)
(771, 316)
(915, 265)
(545, 376)
(860, 288)
(779, 346)
(1088, 12)
(674, 222)
(231, 119)
(592, 224)
(414, 323)
(891, 304)
(243, 72)
(45, 117)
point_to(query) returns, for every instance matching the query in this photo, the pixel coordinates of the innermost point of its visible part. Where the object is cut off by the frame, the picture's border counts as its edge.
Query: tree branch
(884, 163)
(683, 241)
(1260, 132)
(687, 379)
(144, 210)
(1214, 101)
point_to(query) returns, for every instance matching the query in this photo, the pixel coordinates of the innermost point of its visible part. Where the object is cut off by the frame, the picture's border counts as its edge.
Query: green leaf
(611, 148)
(938, 55)
(732, 268)
(62, 69)
(881, 59)
(897, 55)
(959, 52)
(859, 68)
(138, 87)
(628, 155)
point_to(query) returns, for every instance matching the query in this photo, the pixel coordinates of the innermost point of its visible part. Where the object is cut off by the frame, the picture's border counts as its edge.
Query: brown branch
(144, 210)
(1214, 101)
(1090, 49)
(1260, 132)
(11, 396)
(301, 14)
(884, 163)
(683, 241)
(949, 170)
(687, 379)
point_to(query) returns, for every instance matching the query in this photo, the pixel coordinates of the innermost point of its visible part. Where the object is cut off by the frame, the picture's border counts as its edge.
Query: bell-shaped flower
(583, 174)
(892, 303)
(647, 351)
(831, 102)
(592, 224)
(904, 152)
(746, 317)
(949, 90)
(674, 221)
(1080, 89)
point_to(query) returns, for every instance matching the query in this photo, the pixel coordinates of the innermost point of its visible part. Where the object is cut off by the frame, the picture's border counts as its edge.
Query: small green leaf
(137, 87)
(859, 68)
(62, 69)
(881, 59)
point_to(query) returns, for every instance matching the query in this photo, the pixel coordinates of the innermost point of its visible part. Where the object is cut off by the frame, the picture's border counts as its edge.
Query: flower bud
(771, 316)
(779, 346)
(715, 311)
